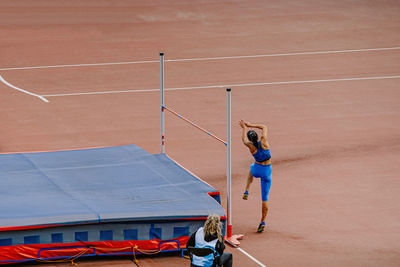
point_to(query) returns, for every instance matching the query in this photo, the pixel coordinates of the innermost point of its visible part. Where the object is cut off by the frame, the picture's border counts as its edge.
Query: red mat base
(72, 251)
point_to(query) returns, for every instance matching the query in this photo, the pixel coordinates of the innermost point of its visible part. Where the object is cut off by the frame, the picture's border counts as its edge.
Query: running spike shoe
(261, 227)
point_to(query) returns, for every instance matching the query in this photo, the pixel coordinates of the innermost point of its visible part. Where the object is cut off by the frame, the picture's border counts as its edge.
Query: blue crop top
(262, 154)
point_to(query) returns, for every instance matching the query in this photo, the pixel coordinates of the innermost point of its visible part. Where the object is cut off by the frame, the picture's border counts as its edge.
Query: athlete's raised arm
(264, 128)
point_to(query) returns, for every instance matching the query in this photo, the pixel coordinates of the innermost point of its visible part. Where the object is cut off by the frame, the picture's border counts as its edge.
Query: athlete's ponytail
(253, 137)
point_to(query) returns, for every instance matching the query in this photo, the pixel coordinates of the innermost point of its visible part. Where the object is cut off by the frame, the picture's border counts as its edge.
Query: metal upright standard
(228, 161)
(231, 239)
(162, 131)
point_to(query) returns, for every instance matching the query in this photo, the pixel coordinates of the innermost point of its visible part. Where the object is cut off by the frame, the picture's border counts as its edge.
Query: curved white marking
(22, 90)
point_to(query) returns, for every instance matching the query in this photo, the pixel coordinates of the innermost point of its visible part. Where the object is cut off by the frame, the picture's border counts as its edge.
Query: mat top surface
(98, 185)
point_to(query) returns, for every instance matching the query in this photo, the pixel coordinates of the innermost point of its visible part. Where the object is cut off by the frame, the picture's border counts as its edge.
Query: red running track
(333, 117)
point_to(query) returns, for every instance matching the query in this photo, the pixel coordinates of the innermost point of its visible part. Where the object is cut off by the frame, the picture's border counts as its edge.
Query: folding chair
(202, 252)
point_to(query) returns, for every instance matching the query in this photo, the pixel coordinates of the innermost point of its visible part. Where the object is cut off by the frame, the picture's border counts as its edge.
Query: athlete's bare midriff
(267, 162)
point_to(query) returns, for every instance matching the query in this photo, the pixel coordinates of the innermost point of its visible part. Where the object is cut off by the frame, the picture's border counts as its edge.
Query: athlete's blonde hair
(213, 226)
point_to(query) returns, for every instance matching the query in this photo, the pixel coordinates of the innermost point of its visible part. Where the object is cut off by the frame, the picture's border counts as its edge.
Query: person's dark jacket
(219, 247)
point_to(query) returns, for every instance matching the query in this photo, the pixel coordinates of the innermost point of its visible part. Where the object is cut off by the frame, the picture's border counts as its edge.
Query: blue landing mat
(112, 184)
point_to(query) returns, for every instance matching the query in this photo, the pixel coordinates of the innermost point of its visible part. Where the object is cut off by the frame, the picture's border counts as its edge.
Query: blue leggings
(264, 173)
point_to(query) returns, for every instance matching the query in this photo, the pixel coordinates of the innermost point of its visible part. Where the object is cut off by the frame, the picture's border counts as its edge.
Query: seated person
(210, 236)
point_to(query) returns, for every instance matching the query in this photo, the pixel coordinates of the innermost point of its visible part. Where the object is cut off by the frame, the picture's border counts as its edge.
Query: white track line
(227, 85)
(82, 65)
(23, 91)
(209, 58)
(289, 54)
(251, 257)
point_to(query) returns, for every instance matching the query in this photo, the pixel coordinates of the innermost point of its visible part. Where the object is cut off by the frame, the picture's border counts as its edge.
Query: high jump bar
(195, 125)
(231, 239)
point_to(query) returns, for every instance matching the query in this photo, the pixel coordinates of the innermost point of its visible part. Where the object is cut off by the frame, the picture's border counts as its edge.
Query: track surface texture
(333, 117)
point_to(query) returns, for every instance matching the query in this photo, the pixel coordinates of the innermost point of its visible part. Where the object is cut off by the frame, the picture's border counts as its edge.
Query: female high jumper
(261, 168)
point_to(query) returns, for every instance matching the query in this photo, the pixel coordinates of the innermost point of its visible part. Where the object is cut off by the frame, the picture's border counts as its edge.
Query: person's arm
(245, 140)
(264, 128)
(220, 247)
(192, 240)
